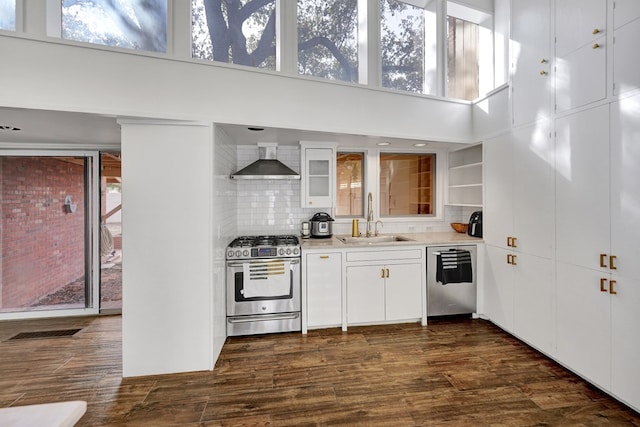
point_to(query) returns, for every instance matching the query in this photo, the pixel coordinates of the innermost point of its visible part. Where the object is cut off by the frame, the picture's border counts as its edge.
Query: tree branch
(324, 41)
(218, 30)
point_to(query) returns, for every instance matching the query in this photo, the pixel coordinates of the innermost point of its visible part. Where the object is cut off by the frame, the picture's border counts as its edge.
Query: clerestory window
(8, 15)
(328, 39)
(239, 32)
(132, 24)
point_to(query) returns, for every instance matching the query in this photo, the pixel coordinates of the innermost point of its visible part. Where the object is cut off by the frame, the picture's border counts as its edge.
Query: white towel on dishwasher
(266, 279)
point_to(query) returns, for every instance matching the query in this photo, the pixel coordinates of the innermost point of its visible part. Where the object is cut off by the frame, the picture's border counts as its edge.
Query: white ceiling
(92, 130)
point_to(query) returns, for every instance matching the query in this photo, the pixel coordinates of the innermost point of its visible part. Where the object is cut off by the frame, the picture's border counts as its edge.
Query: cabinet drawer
(384, 255)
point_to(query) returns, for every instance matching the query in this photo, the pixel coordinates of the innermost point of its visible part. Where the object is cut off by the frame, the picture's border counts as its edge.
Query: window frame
(371, 182)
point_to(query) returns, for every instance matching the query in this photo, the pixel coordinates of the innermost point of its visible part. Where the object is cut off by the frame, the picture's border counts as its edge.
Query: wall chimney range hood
(267, 166)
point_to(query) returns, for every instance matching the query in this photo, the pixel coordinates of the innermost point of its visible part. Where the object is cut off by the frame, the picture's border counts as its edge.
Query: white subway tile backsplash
(273, 206)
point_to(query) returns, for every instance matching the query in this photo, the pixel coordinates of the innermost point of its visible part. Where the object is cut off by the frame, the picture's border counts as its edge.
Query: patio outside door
(48, 246)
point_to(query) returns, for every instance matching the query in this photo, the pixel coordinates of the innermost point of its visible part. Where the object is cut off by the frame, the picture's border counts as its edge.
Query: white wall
(59, 76)
(167, 270)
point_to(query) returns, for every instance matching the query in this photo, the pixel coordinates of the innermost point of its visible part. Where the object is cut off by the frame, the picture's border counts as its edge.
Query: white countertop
(415, 239)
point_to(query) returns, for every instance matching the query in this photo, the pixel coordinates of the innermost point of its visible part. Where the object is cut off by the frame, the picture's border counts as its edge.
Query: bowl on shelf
(460, 227)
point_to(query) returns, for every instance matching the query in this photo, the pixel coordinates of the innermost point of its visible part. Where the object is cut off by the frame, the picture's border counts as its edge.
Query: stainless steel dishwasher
(451, 287)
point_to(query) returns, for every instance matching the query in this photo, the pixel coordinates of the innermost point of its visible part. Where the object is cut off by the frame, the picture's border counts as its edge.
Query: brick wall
(42, 245)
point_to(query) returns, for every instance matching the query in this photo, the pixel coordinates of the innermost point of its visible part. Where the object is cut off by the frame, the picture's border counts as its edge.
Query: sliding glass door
(49, 253)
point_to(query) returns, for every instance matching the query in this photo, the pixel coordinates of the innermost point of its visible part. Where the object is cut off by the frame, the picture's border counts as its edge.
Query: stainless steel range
(263, 285)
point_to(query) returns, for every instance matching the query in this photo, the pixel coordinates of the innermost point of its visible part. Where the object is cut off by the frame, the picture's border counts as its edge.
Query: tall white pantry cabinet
(562, 192)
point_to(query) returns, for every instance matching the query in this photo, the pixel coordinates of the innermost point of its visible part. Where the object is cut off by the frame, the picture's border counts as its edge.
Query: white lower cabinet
(324, 289)
(519, 296)
(384, 292)
(584, 322)
(625, 345)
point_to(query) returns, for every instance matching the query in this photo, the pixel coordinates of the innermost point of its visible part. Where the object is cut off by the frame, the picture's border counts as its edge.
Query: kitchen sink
(383, 238)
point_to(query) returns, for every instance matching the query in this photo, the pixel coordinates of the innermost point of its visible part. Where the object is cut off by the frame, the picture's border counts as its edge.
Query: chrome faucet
(369, 213)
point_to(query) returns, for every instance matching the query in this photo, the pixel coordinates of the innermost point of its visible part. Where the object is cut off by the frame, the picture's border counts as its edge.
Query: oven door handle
(263, 318)
(240, 264)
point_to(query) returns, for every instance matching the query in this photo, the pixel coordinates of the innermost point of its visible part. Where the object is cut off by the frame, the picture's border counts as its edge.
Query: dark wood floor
(450, 373)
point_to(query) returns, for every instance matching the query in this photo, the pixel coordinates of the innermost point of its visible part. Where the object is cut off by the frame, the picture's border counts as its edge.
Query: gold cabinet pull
(543, 73)
(513, 242)
(612, 266)
(595, 46)
(382, 273)
(544, 61)
(509, 258)
(513, 259)
(508, 242)
(595, 31)
(387, 273)
(602, 282)
(612, 283)
(602, 260)
(324, 256)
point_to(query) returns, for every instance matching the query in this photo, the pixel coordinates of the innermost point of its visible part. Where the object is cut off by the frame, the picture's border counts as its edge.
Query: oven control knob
(295, 251)
(238, 253)
(288, 251)
(245, 253)
(281, 251)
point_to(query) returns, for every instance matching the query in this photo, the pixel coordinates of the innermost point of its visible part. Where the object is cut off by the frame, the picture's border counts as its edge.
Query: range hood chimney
(267, 166)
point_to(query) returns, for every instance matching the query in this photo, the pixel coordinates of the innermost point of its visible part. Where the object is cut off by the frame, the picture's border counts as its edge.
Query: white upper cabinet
(578, 23)
(582, 187)
(519, 191)
(531, 59)
(318, 171)
(625, 11)
(626, 77)
(581, 76)
(625, 188)
(581, 59)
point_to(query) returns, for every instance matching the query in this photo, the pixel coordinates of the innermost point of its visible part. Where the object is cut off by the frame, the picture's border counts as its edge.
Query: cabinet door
(582, 187)
(403, 291)
(498, 204)
(584, 322)
(625, 58)
(533, 190)
(530, 69)
(581, 76)
(498, 288)
(324, 289)
(625, 11)
(625, 191)
(578, 23)
(534, 314)
(625, 341)
(318, 177)
(365, 294)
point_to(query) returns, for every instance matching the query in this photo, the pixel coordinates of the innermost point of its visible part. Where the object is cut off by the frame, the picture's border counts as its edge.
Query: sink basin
(385, 238)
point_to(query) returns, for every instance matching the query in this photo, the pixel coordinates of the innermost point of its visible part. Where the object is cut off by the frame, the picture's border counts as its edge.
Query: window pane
(8, 15)
(462, 73)
(402, 32)
(43, 240)
(407, 184)
(235, 31)
(328, 39)
(133, 24)
(350, 167)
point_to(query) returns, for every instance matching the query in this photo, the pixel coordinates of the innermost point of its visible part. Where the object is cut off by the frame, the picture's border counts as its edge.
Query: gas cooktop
(270, 246)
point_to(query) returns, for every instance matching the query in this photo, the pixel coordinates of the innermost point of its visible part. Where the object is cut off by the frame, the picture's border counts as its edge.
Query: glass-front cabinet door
(318, 175)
